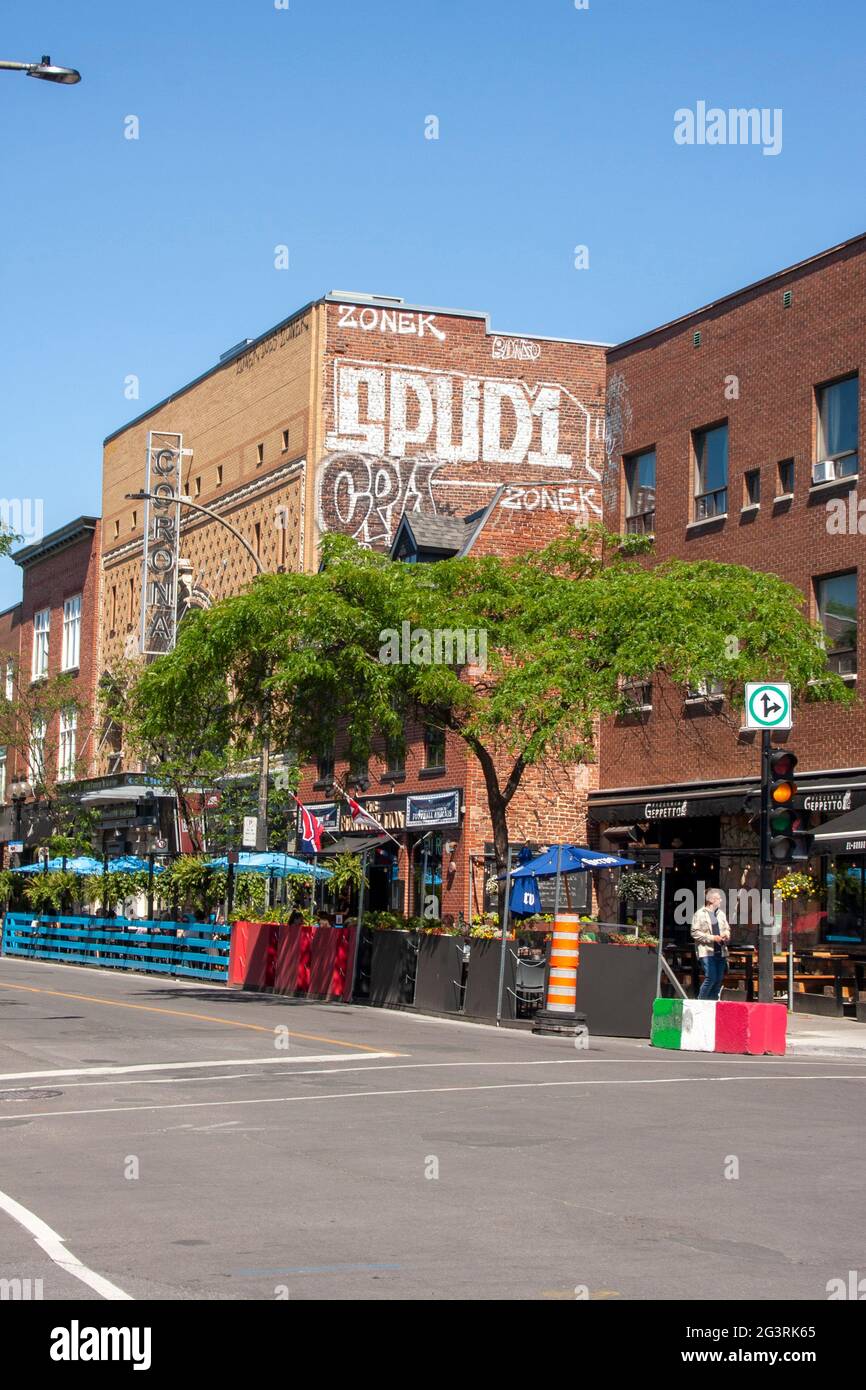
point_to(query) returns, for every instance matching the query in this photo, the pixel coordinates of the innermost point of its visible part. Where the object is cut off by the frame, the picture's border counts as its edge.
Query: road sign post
(768, 707)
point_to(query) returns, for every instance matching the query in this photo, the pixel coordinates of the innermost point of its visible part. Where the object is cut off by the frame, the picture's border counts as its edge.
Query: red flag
(362, 817)
(312, 830)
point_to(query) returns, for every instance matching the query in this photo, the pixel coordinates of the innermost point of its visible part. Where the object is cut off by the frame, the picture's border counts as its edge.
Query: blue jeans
(714, 968)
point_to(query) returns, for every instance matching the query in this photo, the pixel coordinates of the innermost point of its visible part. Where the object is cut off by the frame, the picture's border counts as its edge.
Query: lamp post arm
(206, 511)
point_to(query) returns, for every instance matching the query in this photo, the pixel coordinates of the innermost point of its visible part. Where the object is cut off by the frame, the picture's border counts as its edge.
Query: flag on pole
(312, 830)
(362, 817)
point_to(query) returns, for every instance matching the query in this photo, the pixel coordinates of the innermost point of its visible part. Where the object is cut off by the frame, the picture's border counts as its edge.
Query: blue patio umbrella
(131, 864)
(525, 898)
(573, 859)
(272, 863)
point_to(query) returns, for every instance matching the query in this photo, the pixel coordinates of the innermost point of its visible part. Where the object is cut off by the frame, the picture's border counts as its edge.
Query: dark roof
(431, 531)
(67, 535)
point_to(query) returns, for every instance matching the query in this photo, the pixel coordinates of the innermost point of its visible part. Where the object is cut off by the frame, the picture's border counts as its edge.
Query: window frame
(821, 453)
(817, 582)
(41, 643)
(643, 522)
(701, 512)
(71, 633)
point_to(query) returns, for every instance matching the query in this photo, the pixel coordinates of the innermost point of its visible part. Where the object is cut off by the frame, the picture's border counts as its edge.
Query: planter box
(482, 985)
(392, 967)
(440, 972)
(292, 973)
(252, 962)
(331, 961)
(616, 988)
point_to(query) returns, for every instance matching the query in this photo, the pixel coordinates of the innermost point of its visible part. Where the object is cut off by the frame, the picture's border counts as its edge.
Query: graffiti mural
(421, 438)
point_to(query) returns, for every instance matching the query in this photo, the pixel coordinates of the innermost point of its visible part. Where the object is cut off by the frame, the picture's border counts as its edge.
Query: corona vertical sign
(161, 543)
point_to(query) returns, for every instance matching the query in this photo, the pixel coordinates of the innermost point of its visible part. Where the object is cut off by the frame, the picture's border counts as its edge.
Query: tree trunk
(498, 799)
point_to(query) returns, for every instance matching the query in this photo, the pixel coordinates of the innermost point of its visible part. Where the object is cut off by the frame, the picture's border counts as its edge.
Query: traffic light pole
(765, 929)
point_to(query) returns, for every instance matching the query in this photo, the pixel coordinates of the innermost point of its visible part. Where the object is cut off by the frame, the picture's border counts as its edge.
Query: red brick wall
(47, 584)
(757, 367)
(420, 366)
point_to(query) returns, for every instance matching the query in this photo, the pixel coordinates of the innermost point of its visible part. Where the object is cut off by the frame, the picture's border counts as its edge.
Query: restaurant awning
(672, 804)
(844, 835)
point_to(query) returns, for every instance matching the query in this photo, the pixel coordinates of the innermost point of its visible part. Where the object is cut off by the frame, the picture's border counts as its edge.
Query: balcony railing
(641, 524)
(710, 504)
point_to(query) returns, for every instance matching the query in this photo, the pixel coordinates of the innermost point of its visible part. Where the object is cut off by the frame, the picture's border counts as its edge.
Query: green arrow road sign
(768, 705)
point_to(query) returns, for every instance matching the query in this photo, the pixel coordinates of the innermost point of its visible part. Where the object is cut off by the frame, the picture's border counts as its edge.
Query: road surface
(169, 1140)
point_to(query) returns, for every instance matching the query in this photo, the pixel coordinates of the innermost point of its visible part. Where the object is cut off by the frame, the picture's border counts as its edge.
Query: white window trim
(41, 641)
(72, 633)
(67, 748)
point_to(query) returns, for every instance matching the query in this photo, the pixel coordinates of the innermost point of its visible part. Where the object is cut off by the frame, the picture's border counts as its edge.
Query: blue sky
(305, 127)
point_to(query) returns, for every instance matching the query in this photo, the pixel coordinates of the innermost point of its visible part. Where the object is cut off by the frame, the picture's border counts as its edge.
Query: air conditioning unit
(823, 472)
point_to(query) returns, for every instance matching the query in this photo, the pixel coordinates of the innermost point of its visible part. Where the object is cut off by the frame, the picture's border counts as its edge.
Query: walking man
(711, 934)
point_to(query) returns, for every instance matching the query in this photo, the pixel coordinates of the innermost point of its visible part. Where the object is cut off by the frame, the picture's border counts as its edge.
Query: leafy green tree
(566, 628)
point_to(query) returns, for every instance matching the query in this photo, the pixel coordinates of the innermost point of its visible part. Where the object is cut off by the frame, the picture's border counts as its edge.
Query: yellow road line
(182, 1013)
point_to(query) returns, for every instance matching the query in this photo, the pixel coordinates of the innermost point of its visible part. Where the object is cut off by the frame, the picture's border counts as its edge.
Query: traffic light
(789, 839)
(783, 788)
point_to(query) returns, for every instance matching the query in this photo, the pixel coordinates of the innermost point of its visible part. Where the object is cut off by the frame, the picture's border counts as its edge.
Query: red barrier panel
(754, 1029)
(331, 961)
(253, 955)
(293, 960)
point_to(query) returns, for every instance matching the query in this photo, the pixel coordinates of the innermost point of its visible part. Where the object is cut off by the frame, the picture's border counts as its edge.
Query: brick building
(51, 633)
(354, 414)
(735, 434)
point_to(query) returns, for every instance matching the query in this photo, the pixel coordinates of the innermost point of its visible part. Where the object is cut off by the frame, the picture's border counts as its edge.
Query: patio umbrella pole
(358, 927)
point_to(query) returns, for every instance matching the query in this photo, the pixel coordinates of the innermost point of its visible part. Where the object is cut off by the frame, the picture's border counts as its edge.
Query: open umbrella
(573, 859)
(272, 863)
(525, 898)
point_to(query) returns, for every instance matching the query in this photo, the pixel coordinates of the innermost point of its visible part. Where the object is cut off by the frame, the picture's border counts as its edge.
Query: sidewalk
(826, 1037)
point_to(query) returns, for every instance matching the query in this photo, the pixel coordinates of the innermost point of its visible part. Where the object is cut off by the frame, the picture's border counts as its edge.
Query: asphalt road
(256, 1148)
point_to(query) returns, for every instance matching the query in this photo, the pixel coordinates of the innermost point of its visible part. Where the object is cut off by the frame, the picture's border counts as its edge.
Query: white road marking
(333, 1071)
(415, 1091)
(48, 1240)
(180, 1066)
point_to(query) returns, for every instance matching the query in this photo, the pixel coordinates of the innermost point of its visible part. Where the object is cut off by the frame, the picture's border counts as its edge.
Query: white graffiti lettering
(515, 350)
(405, 321)
(390, 411)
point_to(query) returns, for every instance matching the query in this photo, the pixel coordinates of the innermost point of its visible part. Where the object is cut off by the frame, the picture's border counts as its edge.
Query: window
(838, 425)
(67, 751)
(325, 766)
(836, 599)
(785, 478)
(711, 472)
(752, 488)
(638, 695)
(359, 772)
(257, 538)
(116, 529)
(41, 627)
(434, 746)
(197, 492)
(640, 493)
(2, 775)
(71, 633)
(260, 454)
(219, 481)
(285, 440)
(706, 689)
(395, 755)
(10, 680)
(36, 761)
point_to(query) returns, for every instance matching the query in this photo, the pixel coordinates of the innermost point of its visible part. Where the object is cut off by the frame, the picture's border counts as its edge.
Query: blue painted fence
(201, 952)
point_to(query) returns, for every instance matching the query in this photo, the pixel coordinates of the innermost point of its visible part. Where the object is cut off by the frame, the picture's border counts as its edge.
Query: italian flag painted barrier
(710, 1025)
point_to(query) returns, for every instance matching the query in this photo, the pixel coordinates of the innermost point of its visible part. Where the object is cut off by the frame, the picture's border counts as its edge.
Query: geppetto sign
(422, 811)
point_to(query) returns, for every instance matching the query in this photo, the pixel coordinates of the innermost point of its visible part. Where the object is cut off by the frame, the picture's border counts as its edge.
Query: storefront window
(427, 876)
(845, 904)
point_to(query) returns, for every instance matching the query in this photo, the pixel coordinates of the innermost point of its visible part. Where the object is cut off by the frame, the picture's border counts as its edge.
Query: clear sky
(262, 126)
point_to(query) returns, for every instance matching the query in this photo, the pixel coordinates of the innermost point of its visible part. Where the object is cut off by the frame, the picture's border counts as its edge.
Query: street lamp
(265, 765)
(45, 70)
